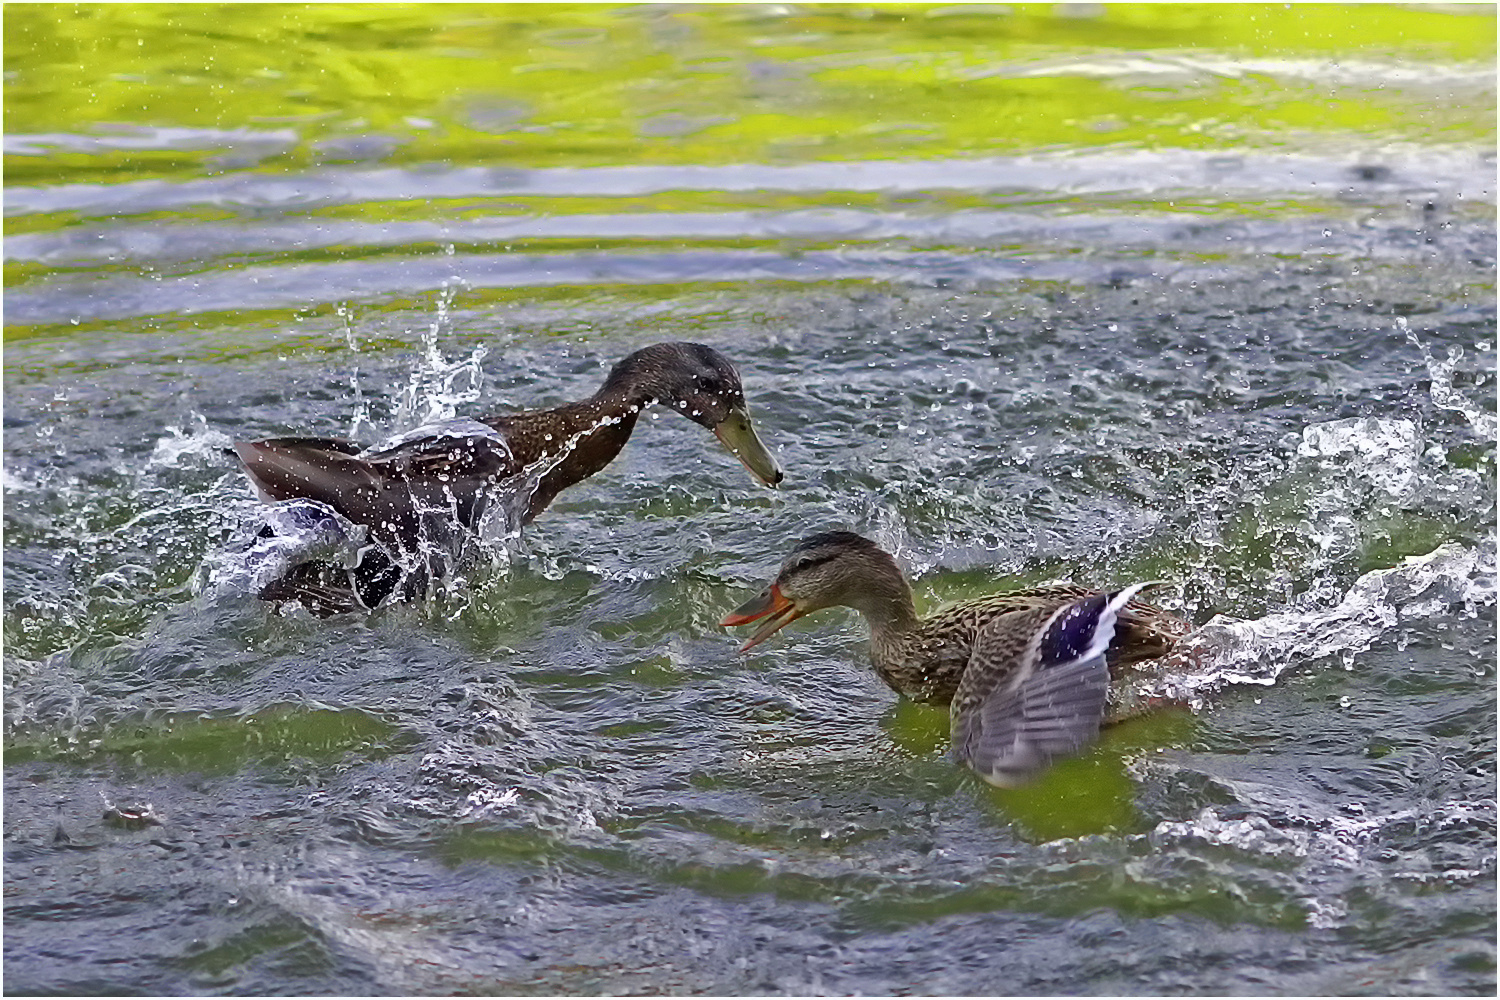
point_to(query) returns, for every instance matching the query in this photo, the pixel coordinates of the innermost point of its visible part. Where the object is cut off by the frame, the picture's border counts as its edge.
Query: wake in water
(1234, 651)
(1365, 469)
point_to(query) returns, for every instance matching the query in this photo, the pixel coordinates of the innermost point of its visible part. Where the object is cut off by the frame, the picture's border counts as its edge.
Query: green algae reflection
(223, 744)
(570, 85)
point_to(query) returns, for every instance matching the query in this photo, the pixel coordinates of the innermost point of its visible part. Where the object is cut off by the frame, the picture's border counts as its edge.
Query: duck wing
(392, 489)
(1035, 687)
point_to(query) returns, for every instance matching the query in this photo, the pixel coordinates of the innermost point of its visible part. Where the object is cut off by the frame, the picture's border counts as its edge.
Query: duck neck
(572, 441)
(886, 602)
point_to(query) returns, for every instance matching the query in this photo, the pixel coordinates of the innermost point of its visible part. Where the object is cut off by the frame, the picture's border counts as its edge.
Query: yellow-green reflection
(223, 745)
(540, 85)
(1091, 794)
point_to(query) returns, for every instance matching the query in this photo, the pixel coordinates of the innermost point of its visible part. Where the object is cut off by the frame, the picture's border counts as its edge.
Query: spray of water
(268, 541)
(1444, 395)
(1361, 468)
(437, 387)
(1231, 651)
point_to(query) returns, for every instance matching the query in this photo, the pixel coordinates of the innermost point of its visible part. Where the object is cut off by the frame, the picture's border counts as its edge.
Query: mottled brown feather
(929, 662)
(927, 659)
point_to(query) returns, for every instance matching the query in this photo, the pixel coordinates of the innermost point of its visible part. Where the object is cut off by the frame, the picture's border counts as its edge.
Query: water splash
(1444, 395)
(177, 445)
(1230, 651)
(271, 540)
(361, 420)
(282, 537)
(438, 386)
(1383, 452)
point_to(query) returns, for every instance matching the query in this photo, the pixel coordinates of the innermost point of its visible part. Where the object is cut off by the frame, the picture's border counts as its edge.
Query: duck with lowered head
(436, 484)
(1026, 674)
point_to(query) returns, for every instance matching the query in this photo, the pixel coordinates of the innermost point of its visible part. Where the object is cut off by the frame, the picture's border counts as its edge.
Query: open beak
(769, 602)
(738, 435)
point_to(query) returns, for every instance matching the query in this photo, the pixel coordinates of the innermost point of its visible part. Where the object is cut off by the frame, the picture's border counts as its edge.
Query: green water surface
(1200, 293)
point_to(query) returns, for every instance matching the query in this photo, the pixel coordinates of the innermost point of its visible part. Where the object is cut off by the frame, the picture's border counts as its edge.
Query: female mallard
(414, 495)
(1026, 674)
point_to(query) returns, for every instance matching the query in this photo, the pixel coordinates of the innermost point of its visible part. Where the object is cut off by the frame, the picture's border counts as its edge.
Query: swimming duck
(1026, 674)
(438, 482)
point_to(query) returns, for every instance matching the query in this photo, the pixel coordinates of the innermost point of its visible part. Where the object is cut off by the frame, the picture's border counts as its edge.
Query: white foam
(1382, 451)
(1232, 651)
(176, 445)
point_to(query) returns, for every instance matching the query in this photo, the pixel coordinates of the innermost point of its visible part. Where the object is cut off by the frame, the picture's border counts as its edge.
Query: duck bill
(771, 602)
(737, 434)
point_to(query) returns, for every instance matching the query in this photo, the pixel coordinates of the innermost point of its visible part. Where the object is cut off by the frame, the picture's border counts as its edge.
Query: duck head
(826, 570)
(702, 385)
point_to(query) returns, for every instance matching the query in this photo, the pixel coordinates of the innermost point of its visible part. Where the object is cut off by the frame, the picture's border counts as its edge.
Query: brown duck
(434, 487)
(1026, 674)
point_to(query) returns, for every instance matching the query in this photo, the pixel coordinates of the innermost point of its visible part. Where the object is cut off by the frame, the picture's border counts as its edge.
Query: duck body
(453, 468)
(930, 661)
(425, 495)
(1026, 674)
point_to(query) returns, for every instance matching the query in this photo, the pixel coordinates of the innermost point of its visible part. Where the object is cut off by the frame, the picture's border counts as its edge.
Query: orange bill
(768, 602)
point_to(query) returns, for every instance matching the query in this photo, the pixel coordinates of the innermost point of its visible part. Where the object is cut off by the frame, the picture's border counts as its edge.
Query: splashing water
(270, 540)
(177, 445)
(1382, 451)
(1230, 651)
(1444, 395)
(438, 386)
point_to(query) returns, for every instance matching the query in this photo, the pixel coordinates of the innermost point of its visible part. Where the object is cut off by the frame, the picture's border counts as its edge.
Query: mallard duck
(429, 489)
(1026, 674)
